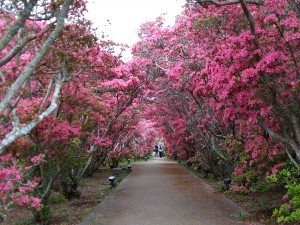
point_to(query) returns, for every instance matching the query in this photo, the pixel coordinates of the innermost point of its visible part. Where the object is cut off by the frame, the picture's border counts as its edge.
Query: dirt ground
(71, 212)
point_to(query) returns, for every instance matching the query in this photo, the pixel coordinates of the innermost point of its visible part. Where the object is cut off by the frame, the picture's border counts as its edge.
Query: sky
(126, 16)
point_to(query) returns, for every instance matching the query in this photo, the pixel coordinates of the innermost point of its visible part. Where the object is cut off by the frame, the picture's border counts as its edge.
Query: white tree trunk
(14, 89)
(20, 130)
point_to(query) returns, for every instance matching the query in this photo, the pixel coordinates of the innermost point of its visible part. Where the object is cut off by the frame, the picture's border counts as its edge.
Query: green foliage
(263, 205)
(240, 179)
(252, 177)
(44, 214)
(56, 198)
(24, 222)
(289, 211)
(242, 217)
(261, 186)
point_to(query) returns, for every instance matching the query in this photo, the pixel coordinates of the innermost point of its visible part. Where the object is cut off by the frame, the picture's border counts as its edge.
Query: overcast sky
(127, 15)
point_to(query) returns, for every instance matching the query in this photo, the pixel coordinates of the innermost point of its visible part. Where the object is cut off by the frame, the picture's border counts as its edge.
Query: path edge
(234, 205)
(89, 218)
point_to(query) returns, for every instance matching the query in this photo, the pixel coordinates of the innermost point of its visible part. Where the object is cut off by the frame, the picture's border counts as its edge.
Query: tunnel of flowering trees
(220, 87)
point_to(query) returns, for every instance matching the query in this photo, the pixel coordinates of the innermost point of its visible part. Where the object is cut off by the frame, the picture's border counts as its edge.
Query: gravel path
(162, 192)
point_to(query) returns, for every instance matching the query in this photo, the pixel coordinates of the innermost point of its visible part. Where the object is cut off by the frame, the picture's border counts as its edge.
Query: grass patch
(242, 217)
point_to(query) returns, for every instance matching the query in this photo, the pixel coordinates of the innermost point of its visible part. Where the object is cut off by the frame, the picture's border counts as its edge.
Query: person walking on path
(160, 150)
(163, 192)
(156, 150)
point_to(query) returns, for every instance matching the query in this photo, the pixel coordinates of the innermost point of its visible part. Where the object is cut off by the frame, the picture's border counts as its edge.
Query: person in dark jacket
(156, 150)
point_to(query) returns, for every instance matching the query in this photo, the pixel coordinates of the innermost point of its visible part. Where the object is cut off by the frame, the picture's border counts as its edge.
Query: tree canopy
(220, 88)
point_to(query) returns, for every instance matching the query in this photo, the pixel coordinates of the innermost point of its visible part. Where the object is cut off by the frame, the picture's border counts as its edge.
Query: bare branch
(228, 2)
(14, 28)
(2, 76)
(38, 57)
(295, 122)
(11, 107)
(292, 159)
(295, 6)
(285, 140)
(251, 22)
(24, 129)
(46, 95)
(14, 51)
(161, 67)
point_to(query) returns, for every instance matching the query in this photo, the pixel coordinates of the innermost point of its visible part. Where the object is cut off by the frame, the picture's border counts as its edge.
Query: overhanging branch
(228, 2)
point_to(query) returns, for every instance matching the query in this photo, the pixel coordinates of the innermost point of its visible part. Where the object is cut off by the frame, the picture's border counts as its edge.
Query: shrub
(56, 198)
(290, 210)
(261, 186)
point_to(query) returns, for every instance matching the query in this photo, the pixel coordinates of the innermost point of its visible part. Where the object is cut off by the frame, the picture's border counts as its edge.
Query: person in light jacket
(160, 150)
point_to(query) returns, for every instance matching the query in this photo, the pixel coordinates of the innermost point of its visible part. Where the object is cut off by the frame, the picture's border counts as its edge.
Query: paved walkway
(162, 192)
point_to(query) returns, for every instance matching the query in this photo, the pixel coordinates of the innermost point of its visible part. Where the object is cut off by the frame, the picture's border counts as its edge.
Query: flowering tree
(228, 69)
(26, 65)
(29, 30)
(232, 80)
(220, 87)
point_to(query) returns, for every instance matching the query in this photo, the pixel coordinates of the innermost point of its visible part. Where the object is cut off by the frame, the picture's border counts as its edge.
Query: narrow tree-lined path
(161, 192)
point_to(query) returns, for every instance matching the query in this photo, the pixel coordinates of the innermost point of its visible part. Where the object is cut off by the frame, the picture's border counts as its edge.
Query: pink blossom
(37, 159)
(23, 200)
(285, 197)
(35, 203)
